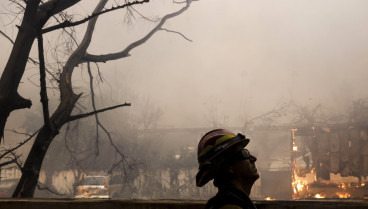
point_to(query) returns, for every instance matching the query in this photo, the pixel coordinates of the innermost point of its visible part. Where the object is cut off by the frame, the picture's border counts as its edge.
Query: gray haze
(249, 56)
(246, 57)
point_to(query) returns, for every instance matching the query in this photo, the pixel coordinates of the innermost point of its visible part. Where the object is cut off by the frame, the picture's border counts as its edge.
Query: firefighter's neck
(245, 187)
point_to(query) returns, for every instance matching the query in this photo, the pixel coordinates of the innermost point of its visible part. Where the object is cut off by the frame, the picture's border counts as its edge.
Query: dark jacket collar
(230, 194)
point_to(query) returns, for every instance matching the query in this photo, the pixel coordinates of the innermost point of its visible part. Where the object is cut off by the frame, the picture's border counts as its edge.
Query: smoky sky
(246, 57)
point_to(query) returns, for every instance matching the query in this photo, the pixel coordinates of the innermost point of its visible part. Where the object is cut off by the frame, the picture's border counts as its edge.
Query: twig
(171, 31)
(6, 36)
(70, 24)
(8, 162)
(93, 104)
(70, 151)
(17, 160)
(76, 117)
(11, 41)
(14, 131)
(126, 51)
(20, 144)
(98, 123)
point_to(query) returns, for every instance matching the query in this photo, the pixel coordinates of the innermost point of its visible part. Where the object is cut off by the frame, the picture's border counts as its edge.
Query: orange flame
(343, 194)
(319, 196)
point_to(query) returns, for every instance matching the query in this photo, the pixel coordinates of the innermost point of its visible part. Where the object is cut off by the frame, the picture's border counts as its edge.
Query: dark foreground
(170, 204)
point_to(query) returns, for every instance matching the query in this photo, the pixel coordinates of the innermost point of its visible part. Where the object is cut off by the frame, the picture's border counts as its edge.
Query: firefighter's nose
(252, 159)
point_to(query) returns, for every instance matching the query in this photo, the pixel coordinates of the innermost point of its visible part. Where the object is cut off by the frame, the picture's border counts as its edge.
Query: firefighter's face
(245, 168)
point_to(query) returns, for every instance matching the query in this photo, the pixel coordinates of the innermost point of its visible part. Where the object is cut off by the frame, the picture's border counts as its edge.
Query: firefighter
(222, 157)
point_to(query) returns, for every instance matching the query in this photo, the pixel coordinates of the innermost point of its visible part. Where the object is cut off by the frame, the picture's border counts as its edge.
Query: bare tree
(149, 115)
(308, 115)
(359, 112)
(36, 14)
(267, 117)
(9, 155)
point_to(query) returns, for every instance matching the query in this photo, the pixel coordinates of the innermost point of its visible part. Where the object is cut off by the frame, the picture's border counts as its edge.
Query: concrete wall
(168, 204)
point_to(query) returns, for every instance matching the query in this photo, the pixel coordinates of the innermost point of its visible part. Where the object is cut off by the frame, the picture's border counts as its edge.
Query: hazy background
(246, 57)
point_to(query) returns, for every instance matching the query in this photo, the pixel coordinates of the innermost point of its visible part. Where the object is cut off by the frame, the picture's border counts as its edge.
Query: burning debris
(329, 162)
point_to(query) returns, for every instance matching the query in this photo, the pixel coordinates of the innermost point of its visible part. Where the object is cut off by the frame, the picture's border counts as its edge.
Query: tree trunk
(35, 16)
(32, 167)
(14, 69)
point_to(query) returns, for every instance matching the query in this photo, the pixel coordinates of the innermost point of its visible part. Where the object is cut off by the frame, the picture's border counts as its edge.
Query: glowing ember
(295, 148)
(343, 194)
(269, 198)
(318, 196)
(300, 186)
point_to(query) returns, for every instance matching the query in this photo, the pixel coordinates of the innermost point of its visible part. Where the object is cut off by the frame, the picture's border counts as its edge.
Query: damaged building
(329, 162)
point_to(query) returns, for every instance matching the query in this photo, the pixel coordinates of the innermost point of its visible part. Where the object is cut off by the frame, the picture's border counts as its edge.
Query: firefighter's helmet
(212, 146)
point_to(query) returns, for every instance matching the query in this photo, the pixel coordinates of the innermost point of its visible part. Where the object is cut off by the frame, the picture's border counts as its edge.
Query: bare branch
(64, 16)
(8, 162)
(70, 24)
(38, 15)
(70, 150)
(17, 160)
(11, 41)
(144, 17)
(171, 31)
(99, 72)
(126, 51)
(270, 116)
(76, 117)
(93, 104)
(99, 124)
(52, 7)
(6, 36)
(180, 2)
(116, 165)
(20, 144)
(308, 114)
(22, 8)
(43, 92)
(11, 157)
(29, 58)
(17, 132)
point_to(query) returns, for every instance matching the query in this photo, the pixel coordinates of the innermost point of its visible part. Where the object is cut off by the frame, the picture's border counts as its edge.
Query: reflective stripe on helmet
(213, 150)
(218, 141)
(224, 142)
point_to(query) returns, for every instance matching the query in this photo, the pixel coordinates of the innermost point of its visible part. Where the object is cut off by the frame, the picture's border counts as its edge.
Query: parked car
(93, 187)
(7, 187)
